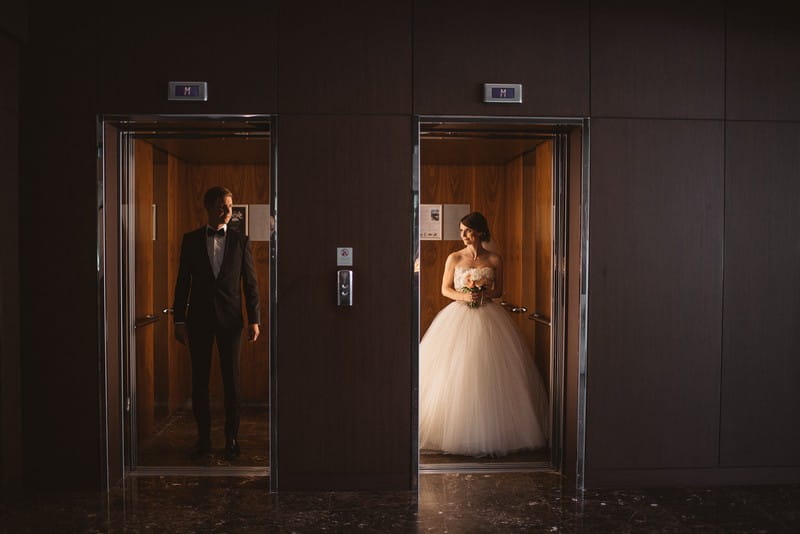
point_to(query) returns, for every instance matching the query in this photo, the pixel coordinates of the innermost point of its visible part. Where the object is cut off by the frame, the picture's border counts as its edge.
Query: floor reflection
(497, 502)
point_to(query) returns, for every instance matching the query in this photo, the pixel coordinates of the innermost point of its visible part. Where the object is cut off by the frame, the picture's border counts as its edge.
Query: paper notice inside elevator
(260, 224)
(430, 222)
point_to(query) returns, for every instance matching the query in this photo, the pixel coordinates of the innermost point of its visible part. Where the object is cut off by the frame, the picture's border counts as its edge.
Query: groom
(215, 263)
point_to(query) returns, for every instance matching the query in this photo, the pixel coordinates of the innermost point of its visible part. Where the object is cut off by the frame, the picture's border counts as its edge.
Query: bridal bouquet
(475, 285)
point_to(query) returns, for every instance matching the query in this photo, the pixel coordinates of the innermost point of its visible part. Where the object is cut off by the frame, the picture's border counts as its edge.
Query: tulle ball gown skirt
(480, 392)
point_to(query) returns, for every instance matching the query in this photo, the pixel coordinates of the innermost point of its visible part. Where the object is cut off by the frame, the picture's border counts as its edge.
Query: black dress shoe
(201, 450)
(232, 450)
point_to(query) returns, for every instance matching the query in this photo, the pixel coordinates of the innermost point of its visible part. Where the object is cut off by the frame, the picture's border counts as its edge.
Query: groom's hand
(252, 332)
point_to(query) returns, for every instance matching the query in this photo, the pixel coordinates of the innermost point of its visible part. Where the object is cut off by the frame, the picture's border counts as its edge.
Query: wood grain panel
(513, 230)
(543, 271)
(14, 21)
(528, 241)
(60, 383)
(658, 59)
(655, 294)
(353, 59)
(11, 449)
(237, 59)
(344, 382)
(180, 366)
(143, 296)
(459, 46)
(760, 370)
(162, 342)
(762, 75)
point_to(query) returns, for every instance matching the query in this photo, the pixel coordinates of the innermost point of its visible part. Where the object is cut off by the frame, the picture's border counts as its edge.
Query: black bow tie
(211, 233)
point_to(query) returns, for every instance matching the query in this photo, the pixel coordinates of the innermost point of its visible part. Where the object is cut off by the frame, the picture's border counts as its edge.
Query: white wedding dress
(480, 393)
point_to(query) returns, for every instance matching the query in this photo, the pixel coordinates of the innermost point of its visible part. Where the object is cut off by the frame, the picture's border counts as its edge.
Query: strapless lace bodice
(473, 277)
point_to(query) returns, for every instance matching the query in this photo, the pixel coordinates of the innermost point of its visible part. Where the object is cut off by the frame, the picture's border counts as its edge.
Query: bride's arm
(497, 287)
(448, 282)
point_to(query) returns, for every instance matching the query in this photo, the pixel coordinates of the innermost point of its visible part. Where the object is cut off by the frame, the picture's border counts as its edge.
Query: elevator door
(508, 173)
(164, 172)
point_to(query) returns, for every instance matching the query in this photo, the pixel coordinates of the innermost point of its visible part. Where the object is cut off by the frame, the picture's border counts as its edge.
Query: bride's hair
(476, 221)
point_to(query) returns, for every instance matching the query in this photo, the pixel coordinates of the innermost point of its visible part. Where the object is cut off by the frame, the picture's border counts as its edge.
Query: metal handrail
(146, 320)
(540, 318)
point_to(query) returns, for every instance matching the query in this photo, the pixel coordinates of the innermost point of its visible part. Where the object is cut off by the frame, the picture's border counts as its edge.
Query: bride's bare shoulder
(495, 259)
(455, 257)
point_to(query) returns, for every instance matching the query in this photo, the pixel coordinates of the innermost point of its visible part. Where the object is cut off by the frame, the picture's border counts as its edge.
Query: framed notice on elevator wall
(259, 224)
(238, 220)
(439, 222)
(430, 222)
(252, 220)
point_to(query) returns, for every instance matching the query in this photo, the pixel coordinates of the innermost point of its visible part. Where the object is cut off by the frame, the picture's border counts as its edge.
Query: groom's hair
(215, 193)
(477, 222)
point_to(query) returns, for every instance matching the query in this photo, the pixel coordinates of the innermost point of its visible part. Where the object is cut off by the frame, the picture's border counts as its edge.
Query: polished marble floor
(454, 503)
(176, 434)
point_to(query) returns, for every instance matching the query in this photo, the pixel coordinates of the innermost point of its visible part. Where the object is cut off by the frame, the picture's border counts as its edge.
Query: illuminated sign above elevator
(197, 91)
(510, 93)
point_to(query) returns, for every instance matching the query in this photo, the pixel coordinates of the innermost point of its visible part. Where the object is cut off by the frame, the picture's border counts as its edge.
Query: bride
(480, 392)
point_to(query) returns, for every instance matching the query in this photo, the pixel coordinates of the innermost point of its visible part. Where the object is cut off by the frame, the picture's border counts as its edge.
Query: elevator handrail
(146, 320)
(540, 318)
(513, 308)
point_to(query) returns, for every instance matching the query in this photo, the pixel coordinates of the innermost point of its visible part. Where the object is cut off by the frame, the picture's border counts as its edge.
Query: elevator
(154, 172)
(519, 173)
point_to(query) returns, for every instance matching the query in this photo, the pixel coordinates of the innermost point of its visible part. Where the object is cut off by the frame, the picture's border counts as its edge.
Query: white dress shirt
(215, 245)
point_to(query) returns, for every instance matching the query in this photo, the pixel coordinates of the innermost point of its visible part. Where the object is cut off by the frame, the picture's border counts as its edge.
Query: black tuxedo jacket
(201, 299)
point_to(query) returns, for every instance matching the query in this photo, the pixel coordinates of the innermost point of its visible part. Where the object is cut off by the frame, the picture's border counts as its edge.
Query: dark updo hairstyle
(477, 222)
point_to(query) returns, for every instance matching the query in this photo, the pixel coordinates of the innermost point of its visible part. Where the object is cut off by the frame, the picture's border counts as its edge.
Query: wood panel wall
(513, 237)
(59, 161)
(655, 294)
(455, 49)
(10, 390)
(679, 72)
(459, 46)
(353, 60)
(180, 363)
(233, 49)
(761, 79)
(344, 374)
(761, 338)
(144, 303)
(542, 270)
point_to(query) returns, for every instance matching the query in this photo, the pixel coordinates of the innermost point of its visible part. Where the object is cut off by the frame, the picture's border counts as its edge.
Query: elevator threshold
(486, 467)
(200, 471)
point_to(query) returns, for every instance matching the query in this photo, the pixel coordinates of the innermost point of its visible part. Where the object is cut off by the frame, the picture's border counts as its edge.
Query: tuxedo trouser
(229, 343)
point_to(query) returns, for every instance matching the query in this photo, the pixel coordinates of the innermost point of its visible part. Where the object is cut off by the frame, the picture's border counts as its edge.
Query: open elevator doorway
(158, 169)
(516, 174)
